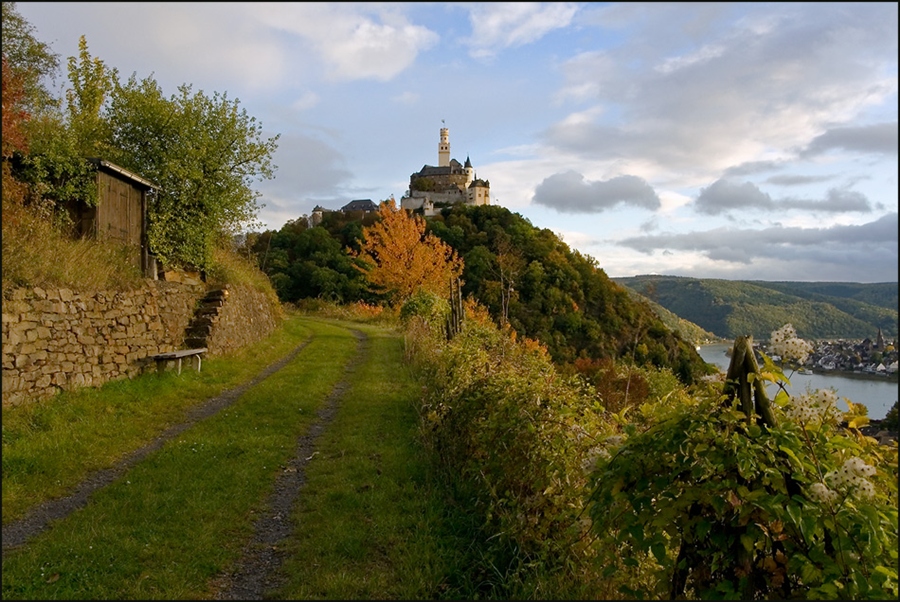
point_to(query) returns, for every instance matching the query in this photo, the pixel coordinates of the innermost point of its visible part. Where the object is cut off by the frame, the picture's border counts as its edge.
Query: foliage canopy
(400, 257)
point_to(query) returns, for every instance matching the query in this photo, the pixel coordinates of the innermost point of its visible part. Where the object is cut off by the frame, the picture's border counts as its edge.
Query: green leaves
(733, 503)
(205, 152)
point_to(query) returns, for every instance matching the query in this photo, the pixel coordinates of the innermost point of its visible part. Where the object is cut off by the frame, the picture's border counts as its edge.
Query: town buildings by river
(877, 390)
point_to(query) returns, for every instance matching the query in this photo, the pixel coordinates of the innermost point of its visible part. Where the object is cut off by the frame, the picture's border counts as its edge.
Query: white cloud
(357, 41)
(307, 101)
(500, 25)
(747, 93)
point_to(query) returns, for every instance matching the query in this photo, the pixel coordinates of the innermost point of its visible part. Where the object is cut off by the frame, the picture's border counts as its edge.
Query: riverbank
(877, 376)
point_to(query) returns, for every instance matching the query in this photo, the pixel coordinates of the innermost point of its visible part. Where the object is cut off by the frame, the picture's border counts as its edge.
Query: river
(877, 393)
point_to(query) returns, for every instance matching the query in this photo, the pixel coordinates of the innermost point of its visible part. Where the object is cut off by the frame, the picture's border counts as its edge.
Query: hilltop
(818, 310)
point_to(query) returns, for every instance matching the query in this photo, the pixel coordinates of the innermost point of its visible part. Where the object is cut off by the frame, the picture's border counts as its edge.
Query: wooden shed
(120, 213)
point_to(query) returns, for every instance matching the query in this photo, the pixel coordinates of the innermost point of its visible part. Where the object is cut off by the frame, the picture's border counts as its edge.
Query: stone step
(199, 330)
(195, 342)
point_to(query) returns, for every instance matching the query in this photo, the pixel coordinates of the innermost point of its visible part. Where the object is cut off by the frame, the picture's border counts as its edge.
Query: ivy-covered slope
(556, 295)
(818, 310)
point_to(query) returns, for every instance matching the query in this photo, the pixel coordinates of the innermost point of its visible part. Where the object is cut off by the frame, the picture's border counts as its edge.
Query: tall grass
(229, 267)
(36, 252)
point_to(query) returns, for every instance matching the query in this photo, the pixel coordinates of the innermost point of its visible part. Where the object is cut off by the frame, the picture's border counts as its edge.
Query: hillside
(685, 328)
(818, 310)
(524, 275)
(551, 293)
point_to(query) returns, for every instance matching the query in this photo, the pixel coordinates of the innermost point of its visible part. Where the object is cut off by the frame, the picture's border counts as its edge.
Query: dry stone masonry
(56, 339)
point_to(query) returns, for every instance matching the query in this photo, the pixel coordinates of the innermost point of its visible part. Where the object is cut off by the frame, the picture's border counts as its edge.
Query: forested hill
(818, 310)
(552, 293)
(544, 289)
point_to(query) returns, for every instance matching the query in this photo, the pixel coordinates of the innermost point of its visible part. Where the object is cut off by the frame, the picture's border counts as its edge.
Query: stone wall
(246, 316)
(56, 339)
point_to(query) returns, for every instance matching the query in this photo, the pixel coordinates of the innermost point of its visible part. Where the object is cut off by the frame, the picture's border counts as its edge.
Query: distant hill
(818, 310)
(688, 330)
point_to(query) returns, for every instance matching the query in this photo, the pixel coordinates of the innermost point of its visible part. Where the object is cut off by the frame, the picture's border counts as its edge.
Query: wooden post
(744, 382)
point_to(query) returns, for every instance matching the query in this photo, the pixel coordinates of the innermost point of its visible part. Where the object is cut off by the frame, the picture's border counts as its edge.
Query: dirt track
(257, 571)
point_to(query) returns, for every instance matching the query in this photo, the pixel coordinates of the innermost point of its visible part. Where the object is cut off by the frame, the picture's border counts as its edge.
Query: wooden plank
(162, 358)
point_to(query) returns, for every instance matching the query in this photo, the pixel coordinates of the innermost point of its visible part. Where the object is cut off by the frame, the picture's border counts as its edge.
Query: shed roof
(128, 175)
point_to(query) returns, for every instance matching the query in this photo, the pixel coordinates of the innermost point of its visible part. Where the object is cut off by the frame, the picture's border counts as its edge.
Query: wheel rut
(39, 519)
(257, 572)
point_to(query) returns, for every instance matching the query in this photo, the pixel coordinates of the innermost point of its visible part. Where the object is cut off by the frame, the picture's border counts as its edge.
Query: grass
(373, 524)
(36, 253)
(175, 520)
(372, 520)
(50, 445)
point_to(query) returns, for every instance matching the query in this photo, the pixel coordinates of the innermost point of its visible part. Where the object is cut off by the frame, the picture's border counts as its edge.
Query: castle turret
(470, 171)
(444, 148)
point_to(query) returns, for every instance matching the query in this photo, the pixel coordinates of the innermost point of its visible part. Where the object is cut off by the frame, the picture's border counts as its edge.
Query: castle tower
(444, 148)
(470, 171)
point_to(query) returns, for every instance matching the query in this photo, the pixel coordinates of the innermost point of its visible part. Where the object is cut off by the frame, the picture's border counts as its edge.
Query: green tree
(204, 152)
(91, 82)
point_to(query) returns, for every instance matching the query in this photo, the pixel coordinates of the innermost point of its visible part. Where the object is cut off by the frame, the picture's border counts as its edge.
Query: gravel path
(18, 532)
(257, 571)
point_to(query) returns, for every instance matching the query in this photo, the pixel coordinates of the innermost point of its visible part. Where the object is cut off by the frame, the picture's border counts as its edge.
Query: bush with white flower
(785, 343)
(739, 497)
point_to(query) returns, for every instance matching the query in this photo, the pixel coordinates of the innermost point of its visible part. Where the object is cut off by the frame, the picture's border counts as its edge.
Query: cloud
(724, 196)
(753, 167)
(858, 252)
(797, 180)
(879, 138)
(356, 41)
(496, 26)
(307, 101)
(307, 164)
(761, 82)
(568, 192)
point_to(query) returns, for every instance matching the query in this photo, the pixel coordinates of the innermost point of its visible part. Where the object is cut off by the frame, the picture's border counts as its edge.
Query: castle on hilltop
(432, 188)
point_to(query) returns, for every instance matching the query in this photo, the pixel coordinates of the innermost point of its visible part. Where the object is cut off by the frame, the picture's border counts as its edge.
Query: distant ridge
(818, 310)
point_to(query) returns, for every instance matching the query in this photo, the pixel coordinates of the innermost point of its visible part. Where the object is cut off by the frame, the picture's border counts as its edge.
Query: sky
(750, 141)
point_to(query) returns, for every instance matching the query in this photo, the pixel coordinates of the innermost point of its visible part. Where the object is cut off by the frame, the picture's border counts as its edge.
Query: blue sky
(741, 141)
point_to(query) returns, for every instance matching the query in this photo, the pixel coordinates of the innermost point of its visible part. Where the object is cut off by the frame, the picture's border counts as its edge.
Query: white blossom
(852, 478)
(784, 342)
(822, 493)
(811, 408)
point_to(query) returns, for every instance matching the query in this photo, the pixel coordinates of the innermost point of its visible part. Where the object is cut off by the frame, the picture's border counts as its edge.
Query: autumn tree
(28, 58)
(399, 258)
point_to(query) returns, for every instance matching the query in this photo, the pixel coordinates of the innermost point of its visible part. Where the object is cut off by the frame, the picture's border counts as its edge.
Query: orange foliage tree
(399, 258)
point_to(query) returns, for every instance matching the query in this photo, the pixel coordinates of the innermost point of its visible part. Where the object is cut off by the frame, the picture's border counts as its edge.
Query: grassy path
(365, 524)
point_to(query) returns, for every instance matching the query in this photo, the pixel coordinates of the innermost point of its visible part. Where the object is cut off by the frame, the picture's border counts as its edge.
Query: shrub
(514, 439)
(711, 502)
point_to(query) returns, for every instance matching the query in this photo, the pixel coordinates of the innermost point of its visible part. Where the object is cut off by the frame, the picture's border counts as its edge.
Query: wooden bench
(162, 358)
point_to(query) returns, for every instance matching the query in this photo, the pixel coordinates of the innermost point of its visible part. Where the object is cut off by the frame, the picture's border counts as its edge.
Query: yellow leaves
(401, 258)
(858, 422)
